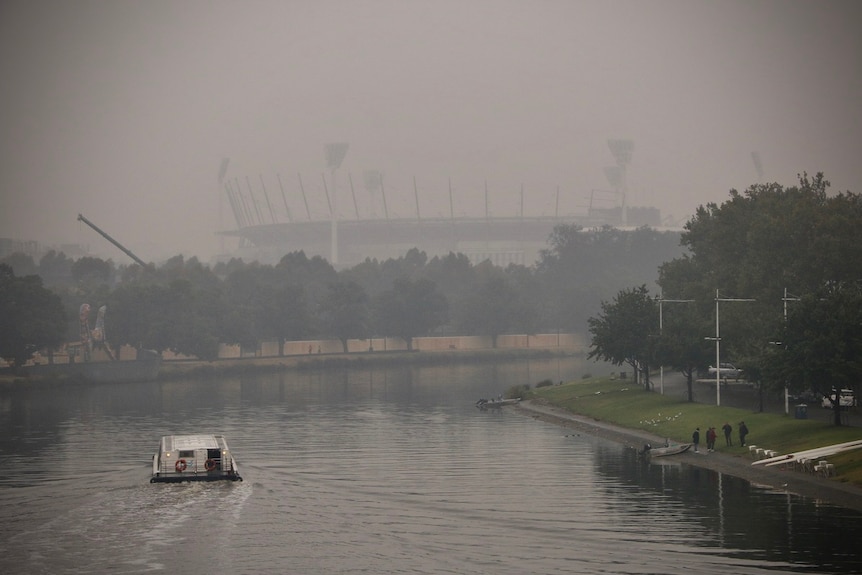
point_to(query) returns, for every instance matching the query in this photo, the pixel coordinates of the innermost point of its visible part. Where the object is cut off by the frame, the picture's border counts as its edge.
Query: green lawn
(630, 406)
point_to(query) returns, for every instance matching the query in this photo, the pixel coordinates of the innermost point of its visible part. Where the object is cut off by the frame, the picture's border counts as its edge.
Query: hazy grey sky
(123, 110)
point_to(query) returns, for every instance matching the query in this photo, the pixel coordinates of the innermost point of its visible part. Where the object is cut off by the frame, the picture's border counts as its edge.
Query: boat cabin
(194, 458)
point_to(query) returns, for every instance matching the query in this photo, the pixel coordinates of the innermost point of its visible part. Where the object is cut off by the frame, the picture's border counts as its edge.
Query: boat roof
(190, 442)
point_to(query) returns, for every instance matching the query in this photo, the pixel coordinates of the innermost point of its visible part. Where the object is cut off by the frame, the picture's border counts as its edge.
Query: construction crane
(112, 240)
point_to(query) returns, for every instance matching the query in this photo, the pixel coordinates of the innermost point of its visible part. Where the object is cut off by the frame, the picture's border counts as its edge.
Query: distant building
(517, 240)
(36, 250)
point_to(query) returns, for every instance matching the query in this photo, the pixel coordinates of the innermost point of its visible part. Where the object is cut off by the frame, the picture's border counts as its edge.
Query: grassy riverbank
(629, 406)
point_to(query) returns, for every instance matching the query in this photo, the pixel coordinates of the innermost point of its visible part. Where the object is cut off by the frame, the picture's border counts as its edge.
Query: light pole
(717, 340)
(787, 297)
(334, 156)
(661, 300)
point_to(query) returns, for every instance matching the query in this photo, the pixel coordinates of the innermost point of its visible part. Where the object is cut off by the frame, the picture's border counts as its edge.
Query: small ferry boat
(497, 402)
(193, 458)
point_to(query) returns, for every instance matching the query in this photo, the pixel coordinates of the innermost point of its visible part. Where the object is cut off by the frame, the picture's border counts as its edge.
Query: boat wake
(134, 526)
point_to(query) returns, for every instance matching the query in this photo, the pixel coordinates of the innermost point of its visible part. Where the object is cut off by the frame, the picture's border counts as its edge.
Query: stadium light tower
(334, 156)
(222, 172)
(622, 152)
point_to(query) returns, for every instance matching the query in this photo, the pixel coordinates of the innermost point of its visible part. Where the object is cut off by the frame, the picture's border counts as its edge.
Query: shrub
(517, 391)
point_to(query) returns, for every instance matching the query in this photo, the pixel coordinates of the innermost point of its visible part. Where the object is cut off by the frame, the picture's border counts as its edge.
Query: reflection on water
(382, 471)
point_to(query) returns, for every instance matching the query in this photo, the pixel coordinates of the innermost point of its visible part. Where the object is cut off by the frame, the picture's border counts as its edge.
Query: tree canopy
(33, 316)
(624, 331)
(780, 247)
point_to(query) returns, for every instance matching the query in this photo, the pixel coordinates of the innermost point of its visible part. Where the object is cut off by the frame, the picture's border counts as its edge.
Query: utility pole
(717, 340)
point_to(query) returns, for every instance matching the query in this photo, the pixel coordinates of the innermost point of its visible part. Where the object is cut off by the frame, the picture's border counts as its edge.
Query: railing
(223, 465)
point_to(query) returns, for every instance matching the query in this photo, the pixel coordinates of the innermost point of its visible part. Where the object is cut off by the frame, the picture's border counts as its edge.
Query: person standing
(710, 439)
(695, 438)
(727, 429)
(743, 431)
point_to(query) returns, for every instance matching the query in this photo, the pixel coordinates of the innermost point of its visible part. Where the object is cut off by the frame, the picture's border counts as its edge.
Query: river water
(378, 471)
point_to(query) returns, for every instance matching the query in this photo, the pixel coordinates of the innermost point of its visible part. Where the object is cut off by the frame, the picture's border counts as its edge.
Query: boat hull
(667, 451)
(174, 477)
(486, 403)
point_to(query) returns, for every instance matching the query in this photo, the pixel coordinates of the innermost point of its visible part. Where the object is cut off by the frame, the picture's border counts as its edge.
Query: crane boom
(112, 240)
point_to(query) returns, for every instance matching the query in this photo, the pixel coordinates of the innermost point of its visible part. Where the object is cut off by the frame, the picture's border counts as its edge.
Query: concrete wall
(570, 341)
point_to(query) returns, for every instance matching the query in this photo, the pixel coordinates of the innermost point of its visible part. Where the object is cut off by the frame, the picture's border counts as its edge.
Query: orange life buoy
(210, 465)
(180, 465)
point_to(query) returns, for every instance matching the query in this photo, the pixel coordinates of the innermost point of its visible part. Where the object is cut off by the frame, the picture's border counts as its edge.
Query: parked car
(846, 398)
(726, 371)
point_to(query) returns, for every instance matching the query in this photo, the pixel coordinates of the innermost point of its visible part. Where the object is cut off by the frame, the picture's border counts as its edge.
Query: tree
(180, 316)
(55, 268)
(584, 267)
(622, 332)
(494, 306)
(681, 344)
(88, 270)
(410, 309)
(314, 275)
(33, 316)
(756, 245)
(21, 263)
(822, 343)
(270, 304)
(344, 312)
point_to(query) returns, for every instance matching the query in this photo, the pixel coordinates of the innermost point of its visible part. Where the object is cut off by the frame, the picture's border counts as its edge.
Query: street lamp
(717, 340)
(661, 300)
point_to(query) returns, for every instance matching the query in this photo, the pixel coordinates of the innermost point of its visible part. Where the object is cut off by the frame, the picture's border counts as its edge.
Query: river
(383, 471)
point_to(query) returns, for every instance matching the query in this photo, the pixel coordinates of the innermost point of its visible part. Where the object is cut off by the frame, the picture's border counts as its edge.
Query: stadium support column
(622, 152)
(334, 156)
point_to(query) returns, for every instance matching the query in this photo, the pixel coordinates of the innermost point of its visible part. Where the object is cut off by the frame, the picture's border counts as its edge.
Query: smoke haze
(124, 110)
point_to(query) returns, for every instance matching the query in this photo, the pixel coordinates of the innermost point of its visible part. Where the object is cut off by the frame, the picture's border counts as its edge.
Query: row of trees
(188, 307)
(796, 252)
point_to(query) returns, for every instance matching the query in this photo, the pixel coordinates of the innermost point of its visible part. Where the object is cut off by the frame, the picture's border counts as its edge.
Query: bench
(824, 468)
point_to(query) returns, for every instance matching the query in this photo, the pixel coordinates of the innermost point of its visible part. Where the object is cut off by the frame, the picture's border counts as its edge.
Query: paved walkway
(786, 480)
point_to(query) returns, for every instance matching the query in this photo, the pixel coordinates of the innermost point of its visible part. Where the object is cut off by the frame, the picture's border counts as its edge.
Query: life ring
(210, 465)
(180, 465)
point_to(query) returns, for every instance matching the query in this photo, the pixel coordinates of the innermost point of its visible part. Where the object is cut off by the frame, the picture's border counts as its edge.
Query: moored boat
(498, 402)
(676, 449)
(194, 458)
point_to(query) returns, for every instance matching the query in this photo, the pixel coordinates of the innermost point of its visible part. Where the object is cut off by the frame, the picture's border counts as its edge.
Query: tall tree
(33, 317)
(681, 343)
(344, 312)
(272, 305)
(494, 306)
(624, 330)
(757, 245)
(822, 343)
(410, 309)
(581, 268)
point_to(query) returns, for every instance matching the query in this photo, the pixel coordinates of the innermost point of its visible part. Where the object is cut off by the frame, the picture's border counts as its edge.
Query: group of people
(711, 436)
